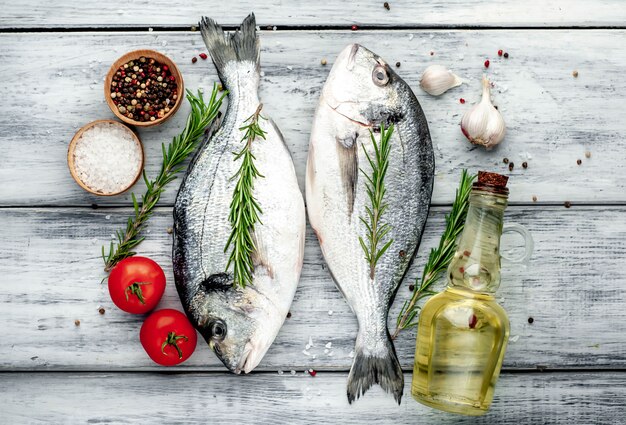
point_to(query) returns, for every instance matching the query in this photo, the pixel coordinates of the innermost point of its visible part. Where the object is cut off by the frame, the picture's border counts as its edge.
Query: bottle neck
(476, 263)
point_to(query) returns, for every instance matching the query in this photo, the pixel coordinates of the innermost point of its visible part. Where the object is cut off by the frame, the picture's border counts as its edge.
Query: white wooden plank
(50, 272)
(268, 398)
(155, 13)
(54, 83)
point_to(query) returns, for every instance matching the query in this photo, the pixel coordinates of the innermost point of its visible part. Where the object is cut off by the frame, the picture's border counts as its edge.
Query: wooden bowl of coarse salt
(144, 88)
(105, 157)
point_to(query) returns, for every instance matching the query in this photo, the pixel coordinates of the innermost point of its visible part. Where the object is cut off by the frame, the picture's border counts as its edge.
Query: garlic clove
(437, 79)
(483, 124)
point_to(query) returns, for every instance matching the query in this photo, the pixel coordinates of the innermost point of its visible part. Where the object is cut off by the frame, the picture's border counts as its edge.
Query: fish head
(363, 88)
(228, 320)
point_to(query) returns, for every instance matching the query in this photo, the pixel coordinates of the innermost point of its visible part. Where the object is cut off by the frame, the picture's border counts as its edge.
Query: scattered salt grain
(290, 68)
(514, 338)
(351, 354)
(112, 236)
(107, 158)
(411, 36)
(326, 351)
(311, 342)
(164, 43)
(274, 28)
(329, 345)
(262, 74)
(107, 217)
(60, 73)
(150, 29)
(280, 372)
(293, 372)
(306, 353)
(330, 312)
(120, 11)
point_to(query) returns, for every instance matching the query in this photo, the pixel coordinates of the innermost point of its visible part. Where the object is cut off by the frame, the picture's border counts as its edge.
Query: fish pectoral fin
(347, 152)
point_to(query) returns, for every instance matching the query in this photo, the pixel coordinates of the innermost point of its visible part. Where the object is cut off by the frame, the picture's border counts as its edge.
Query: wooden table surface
(568, 366)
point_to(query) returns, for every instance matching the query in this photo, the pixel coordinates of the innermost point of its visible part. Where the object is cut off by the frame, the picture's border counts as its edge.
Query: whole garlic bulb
(437, 79)
(483, 124)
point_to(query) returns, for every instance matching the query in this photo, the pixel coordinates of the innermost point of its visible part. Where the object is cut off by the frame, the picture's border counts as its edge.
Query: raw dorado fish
(362, 92)
(238, 324)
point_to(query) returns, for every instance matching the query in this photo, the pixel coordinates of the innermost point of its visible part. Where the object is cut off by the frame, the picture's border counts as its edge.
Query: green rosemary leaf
(244, 208)
(375, 189)
(440, 257)
(201, 116)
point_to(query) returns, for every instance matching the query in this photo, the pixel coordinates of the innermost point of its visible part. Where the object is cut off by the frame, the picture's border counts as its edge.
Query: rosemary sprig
(439, 257)
(244, 208)
(375, 186)
(201, 116)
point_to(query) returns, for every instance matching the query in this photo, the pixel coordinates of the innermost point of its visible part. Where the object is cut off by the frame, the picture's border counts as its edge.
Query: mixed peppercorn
(144, 89)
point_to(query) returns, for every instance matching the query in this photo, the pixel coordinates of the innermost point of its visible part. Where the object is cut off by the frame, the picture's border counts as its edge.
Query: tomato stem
(135, 289)
(172, 339)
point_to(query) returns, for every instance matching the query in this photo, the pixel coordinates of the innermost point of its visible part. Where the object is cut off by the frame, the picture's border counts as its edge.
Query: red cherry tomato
(168, 337)
(136, 284)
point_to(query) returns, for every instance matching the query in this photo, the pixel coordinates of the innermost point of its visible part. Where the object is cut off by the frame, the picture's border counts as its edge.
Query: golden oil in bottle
(463, 332)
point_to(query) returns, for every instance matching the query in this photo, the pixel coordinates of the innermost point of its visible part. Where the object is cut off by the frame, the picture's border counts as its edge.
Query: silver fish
(361, 93)
(238, 324)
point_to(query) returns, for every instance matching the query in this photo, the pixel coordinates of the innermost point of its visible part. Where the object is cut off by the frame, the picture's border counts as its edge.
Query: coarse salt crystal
(311, 342)
(351, 354)
(107, 217)
(411, 37)
(330, 312)
(280, 372)
(326, 351)
(329, 345)
(514, 338)
(293, 372)
(107, 158)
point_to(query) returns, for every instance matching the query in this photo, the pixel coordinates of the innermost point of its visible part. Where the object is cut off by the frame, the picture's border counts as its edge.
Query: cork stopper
(492, 182)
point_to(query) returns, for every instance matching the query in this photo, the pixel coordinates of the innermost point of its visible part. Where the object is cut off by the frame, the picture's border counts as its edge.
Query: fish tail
(380, 366)
(241, 45)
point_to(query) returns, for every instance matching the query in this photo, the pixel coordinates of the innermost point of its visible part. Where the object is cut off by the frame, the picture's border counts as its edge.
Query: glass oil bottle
(463, 332)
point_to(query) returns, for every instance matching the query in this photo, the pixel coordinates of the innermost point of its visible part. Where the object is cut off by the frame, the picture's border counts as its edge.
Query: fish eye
(380, 75)
(218, 330)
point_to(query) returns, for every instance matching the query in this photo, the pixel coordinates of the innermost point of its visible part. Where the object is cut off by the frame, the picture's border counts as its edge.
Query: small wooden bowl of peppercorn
(144, 88)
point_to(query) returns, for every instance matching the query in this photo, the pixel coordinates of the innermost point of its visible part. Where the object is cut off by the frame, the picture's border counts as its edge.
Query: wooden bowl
(136, 54)
(72, 147)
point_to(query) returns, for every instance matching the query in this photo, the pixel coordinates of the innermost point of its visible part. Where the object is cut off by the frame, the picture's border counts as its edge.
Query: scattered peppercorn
(462, 101)
(323, 61)
(500, 52)
(531, 320)
(524, 164)
(575, 74)
(467, 253)
(203, 56)
(587, 154)
(143, 89)
(401, 253)
(354, 27)
(386, 5)
(432, 53)
(579, 161)
(77, 322)
(506, 55)
(101, 310)
(534, 198)
(487, 63)
(94, 206)
(288, 315)
(511, 166)
(411, 288)
(398, 64)
(505, 160)
(567, 204)
(194, 59)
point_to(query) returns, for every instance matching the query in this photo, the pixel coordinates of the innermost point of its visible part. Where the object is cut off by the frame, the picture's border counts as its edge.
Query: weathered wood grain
(50, 272)
(156, 13)
(54, 83)
(548, 398)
